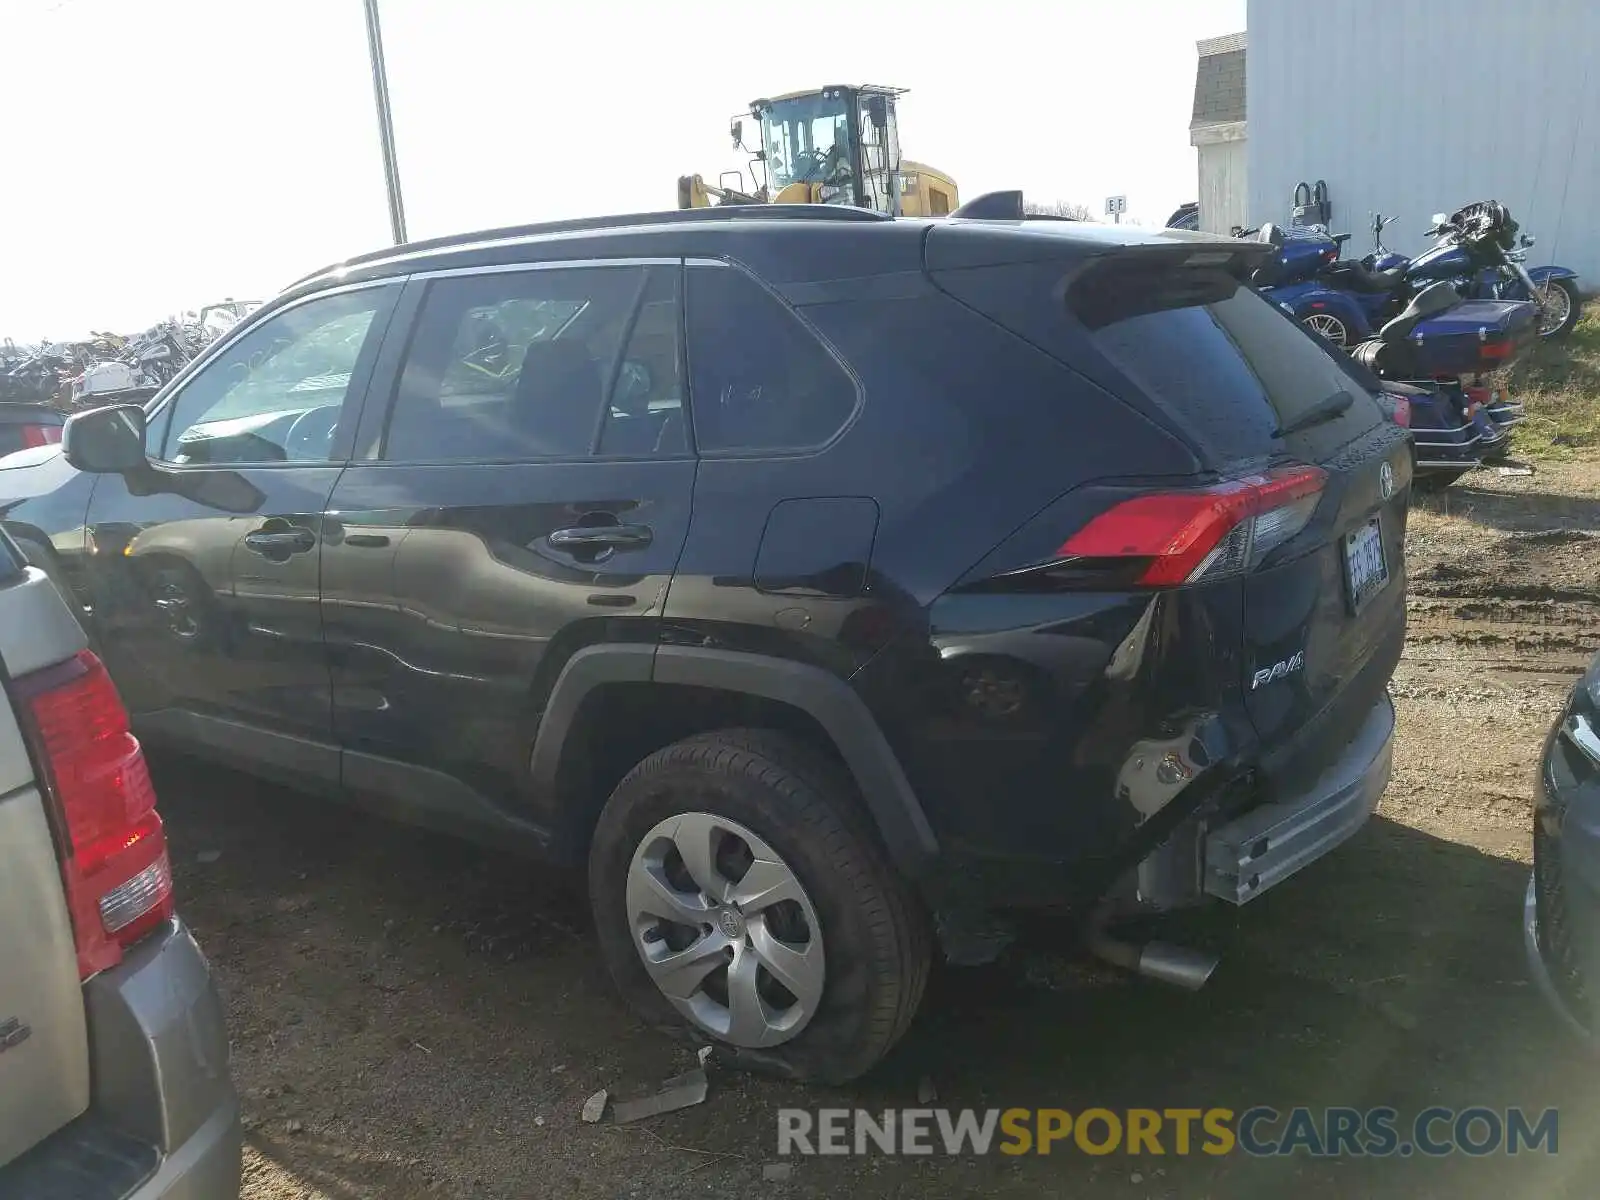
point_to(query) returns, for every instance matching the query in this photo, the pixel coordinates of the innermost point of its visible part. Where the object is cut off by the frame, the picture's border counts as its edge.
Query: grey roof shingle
(1219, 88)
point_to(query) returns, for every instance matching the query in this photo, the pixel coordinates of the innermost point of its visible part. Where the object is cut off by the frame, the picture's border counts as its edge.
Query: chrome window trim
(555, 264)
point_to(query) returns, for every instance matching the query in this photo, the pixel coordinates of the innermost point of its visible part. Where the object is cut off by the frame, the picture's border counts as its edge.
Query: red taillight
(1205, 533)
(114, 852)
(40, 435)
(1399, 409)
(1494, 349)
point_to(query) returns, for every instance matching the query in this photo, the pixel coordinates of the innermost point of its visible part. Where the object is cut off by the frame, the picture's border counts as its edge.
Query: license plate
(1364, 565)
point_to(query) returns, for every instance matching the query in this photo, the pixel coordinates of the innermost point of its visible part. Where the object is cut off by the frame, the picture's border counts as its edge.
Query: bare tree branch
(1069, 209)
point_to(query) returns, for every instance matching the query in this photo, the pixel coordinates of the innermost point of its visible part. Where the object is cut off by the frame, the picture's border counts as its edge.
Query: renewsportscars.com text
(1260, 1131)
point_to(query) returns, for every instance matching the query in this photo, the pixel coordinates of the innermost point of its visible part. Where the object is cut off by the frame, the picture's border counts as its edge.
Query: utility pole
(380, 94)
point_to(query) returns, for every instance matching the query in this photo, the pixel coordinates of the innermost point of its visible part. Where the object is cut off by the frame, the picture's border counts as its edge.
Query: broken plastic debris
(1516, 470)
(594, 1107)
(681, 1091)
(703, 1054)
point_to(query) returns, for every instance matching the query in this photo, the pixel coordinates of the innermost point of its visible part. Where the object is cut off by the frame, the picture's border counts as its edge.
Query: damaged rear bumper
(1272, 841)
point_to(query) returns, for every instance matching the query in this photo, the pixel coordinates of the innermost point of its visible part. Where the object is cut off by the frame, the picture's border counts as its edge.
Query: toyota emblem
(1386, 480)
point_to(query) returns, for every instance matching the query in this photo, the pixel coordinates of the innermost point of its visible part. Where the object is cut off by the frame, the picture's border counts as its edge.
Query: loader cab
(837, 145)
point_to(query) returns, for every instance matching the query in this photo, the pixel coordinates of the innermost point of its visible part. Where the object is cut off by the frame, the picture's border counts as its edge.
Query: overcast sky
(162, 154)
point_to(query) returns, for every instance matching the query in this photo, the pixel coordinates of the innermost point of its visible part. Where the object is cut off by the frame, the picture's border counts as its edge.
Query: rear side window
(761, 380)
(1229, 364)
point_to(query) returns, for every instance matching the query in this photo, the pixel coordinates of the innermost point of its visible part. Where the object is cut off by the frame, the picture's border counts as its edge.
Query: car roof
(784, 243)
(404, 257)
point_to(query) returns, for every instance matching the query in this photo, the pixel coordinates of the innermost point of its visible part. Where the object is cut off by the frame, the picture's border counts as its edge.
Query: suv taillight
(114, 854)
(1168, 538)
(40, 435)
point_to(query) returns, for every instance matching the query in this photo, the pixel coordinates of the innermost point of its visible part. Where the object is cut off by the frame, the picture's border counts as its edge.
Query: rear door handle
(281, 541)
(600, 537)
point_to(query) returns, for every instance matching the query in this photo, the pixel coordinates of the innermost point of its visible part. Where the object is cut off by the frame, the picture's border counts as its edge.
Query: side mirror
(105, 441)
(736, 132)
(878, 111)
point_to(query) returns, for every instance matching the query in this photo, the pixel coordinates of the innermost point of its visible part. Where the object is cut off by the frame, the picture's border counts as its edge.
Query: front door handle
(602, 537)
(281, 541)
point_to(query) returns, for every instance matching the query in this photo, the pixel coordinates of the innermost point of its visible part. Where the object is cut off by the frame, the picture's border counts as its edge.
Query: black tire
(1574, 309)
(876, 937)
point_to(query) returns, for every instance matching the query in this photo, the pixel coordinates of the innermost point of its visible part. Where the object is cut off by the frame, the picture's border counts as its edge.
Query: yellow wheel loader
(836, 145)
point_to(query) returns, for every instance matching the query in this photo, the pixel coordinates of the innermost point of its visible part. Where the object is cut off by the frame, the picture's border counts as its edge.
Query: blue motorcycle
(1479, 251)
(1430, 354)
(1454, 426)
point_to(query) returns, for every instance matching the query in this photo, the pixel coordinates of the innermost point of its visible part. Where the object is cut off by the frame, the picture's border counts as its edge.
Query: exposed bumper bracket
(1272, 841)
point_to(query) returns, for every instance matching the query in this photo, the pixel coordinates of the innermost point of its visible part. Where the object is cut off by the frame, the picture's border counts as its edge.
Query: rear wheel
(1329, 327)
(740, 898)
(1560, 305)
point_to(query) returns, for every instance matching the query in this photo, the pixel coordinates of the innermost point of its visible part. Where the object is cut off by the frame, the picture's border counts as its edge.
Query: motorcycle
(1479, 249)
(1453, 427)
(1437, 346)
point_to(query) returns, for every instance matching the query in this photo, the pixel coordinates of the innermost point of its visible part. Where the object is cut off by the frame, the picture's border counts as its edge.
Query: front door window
(277, 393)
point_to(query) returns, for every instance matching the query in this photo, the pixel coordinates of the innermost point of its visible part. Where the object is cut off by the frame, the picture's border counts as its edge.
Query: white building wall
(1224, 202)
(1413, 107)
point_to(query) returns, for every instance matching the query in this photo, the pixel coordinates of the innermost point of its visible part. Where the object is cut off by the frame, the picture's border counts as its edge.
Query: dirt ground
(412, 1017)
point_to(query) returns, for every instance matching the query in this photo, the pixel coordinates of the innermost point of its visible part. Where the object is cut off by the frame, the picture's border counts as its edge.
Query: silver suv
(113, 1051)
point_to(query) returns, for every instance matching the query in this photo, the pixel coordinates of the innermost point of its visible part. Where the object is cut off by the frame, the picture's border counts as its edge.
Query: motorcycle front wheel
(1560, 306)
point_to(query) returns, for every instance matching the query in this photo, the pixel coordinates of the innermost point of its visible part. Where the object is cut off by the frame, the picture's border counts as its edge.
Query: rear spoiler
(1133, 280)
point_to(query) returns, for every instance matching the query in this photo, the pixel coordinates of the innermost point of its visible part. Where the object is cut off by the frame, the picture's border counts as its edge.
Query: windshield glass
(807, 140)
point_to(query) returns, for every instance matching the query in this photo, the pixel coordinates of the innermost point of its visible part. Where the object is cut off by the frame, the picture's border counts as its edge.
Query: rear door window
(1231, 366)
(563, 362)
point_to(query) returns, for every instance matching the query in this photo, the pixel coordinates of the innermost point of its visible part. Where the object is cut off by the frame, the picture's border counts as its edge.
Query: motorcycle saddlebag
(1478, 335)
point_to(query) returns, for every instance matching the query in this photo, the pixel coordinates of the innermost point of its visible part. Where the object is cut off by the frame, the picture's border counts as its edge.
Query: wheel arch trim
(827, 699)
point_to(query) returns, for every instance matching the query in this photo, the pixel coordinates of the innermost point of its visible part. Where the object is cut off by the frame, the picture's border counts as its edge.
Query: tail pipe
(1179, 966)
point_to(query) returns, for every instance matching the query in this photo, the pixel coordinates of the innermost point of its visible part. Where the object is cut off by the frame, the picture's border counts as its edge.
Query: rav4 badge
(1278, 670)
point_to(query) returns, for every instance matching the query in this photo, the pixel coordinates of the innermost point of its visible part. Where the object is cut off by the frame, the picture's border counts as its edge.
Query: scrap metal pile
(109, 366)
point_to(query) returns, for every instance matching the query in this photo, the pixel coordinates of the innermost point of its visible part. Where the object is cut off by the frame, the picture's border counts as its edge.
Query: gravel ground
(412, 1017)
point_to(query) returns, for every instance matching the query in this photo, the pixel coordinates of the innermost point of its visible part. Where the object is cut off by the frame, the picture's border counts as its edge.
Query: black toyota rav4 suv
(830, 584)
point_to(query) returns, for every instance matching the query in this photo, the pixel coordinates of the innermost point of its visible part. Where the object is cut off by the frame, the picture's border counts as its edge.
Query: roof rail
(719, 212)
